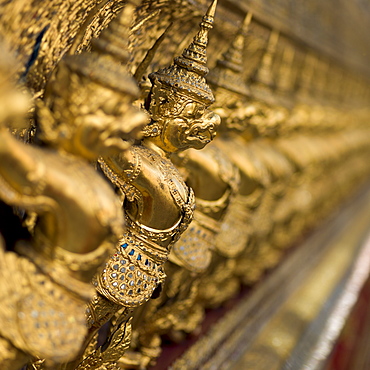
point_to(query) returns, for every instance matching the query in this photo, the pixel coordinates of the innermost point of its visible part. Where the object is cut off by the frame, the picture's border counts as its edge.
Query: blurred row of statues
(122, 220)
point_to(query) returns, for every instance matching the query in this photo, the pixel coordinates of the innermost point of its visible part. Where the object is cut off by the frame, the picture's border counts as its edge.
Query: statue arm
(122, 162)
(18, 168)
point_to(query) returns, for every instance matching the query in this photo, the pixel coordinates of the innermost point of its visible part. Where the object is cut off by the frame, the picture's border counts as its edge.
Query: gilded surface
(123, 217)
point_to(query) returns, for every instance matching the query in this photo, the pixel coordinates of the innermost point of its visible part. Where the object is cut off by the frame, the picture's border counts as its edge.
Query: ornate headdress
(106, 64)
(228, 70)
(187, 74)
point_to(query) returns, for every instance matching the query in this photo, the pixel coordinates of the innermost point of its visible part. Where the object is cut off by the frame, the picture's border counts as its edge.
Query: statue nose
(214, 117)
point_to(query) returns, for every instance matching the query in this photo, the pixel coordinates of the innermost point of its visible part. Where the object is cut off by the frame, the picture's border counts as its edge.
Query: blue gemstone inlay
(132, 252)
(124, 245)
(139, 257)
(147, 262)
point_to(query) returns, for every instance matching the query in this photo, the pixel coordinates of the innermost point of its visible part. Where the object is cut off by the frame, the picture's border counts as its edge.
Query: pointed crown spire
(194, 57)
(264, 72)
(187, 72)
(114, 40)
(228, 69)
(106, 64)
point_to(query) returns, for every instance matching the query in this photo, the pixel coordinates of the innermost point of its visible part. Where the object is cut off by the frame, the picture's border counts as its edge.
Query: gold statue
(158, 204)
(46, 285)
(13, 108)
(237, 107)
(234, 232)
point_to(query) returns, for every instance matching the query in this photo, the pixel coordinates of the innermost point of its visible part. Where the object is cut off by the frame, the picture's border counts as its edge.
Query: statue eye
(200, 111)
(163, 101)
(189, 111)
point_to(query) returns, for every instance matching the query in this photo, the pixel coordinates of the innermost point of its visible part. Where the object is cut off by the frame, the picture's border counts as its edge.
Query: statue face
(201, 126)
(193, 126)
(112, 127)
(104, 122)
